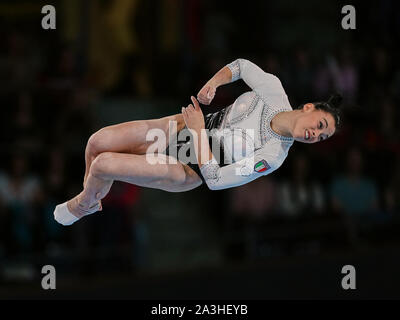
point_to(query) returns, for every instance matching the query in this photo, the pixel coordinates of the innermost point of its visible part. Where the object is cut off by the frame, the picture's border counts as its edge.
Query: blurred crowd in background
(343, 193)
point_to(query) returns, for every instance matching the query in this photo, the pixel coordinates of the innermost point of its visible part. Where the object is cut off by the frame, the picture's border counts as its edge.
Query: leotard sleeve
(262, 82)
(241, 172)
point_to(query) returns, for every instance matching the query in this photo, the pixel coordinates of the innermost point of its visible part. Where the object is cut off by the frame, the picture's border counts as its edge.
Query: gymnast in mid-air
(261, 124)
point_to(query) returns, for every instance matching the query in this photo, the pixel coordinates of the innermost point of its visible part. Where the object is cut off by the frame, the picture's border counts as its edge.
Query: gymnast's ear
(308, 107)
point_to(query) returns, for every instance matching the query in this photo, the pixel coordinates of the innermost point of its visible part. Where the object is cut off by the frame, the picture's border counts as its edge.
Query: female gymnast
(120, 152)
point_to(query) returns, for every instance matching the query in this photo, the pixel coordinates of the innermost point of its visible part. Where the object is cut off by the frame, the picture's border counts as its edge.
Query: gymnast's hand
(193, 116)
(207, 93)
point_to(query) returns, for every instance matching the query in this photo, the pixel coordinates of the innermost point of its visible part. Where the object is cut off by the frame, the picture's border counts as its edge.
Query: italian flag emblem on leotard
(261, 166)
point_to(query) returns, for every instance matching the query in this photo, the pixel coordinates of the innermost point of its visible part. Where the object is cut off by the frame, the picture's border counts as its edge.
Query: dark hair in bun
(332, 106)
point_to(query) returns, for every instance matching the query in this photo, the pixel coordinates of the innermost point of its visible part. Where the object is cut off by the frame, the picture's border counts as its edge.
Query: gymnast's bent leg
(128, 137)
(167, 174)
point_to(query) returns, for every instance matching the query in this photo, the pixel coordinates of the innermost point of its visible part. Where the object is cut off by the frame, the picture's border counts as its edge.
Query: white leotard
(252, 111)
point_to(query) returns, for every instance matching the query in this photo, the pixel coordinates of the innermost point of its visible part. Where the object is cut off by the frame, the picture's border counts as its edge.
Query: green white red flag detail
(261, 166)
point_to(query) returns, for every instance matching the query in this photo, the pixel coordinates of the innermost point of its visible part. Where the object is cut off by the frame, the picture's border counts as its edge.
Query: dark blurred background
(286, 235)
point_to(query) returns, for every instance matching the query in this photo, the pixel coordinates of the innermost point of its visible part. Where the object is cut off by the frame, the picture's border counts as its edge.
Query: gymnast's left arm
(238, 173)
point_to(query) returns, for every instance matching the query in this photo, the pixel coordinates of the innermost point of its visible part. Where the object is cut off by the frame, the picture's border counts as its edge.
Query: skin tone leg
(128, 137)
(135, 169)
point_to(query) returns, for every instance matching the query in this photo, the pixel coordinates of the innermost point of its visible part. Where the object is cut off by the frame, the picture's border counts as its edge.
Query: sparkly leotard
(244, 128)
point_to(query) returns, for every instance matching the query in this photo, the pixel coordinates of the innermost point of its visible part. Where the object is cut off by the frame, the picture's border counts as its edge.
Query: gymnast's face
(313, 125)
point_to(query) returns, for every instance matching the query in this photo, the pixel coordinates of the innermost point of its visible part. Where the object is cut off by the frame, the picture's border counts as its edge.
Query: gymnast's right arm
(262, 82)
(207, 93)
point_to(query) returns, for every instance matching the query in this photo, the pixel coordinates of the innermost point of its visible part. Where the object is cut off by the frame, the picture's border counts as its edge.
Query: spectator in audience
(344, 74)
(257, 200)
(19, 191)
(251, 206)
(299, 195)
(25, 133)
(355, 196)
(301, 75)
(54, 189)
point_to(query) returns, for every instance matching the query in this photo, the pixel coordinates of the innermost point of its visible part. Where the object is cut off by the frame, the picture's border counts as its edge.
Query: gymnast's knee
(97, 141)
(101, 163)
(176, 177)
